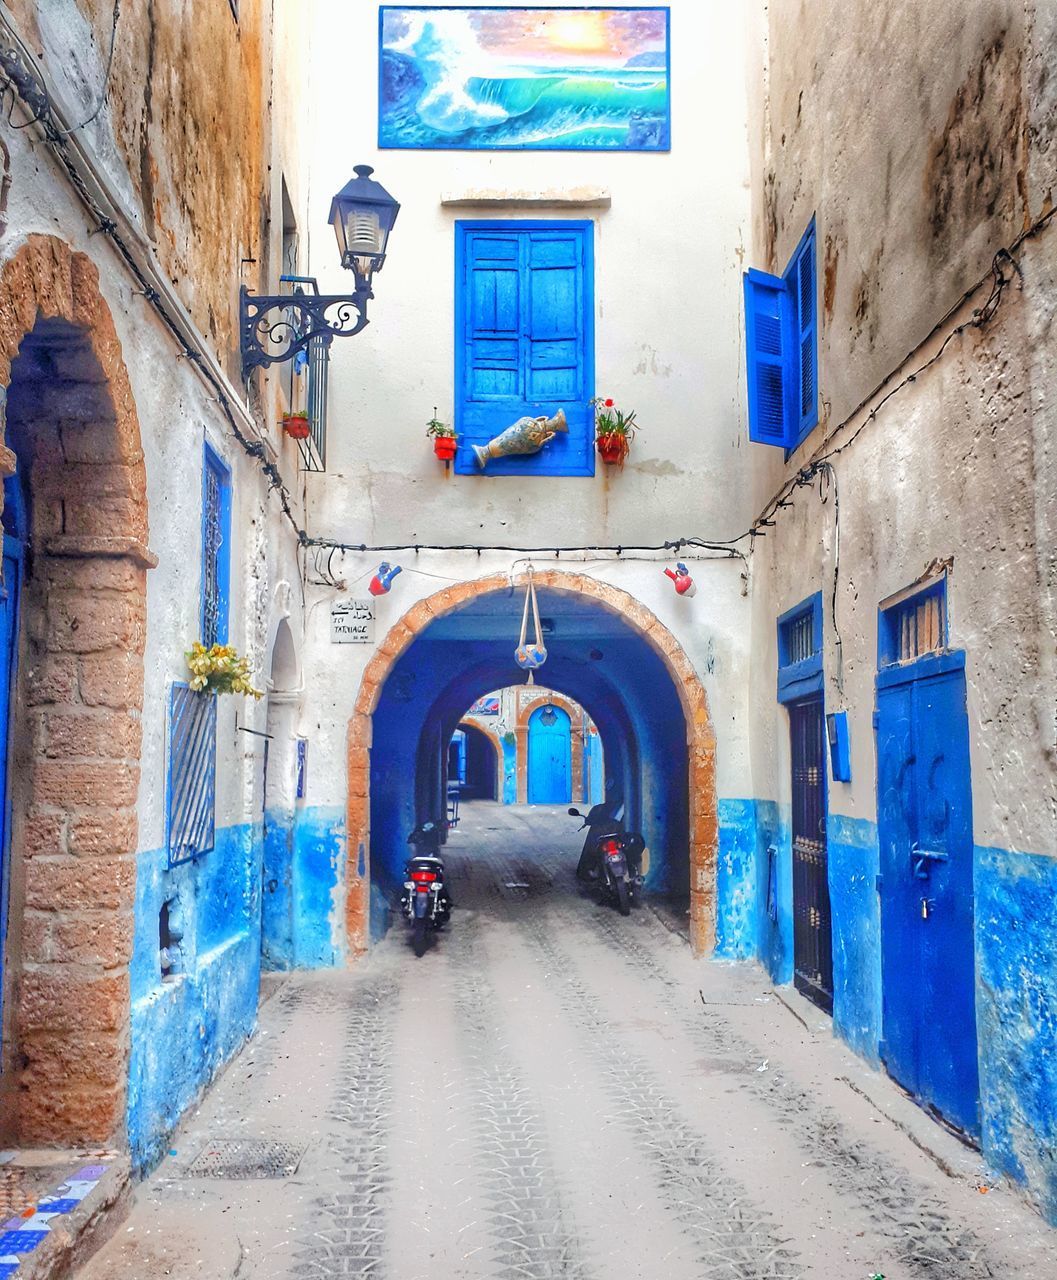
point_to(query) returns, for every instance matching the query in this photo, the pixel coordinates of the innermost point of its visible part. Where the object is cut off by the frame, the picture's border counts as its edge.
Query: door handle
(922, 860)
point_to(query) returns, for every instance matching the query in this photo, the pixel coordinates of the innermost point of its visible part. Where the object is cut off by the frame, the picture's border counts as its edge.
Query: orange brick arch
(492, 738)
(77, 703)
(700, 736)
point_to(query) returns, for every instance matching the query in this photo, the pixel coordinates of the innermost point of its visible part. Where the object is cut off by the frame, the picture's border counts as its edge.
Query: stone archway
(701, 747)
(72, 433)
(492, 738)
(524, 715)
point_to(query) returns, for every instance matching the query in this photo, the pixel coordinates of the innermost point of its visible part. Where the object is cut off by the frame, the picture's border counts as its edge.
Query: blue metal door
(549, 757)
(10, 589)
(926, 850)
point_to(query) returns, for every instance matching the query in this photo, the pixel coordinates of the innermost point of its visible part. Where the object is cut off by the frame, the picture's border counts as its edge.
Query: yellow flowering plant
(219, 669)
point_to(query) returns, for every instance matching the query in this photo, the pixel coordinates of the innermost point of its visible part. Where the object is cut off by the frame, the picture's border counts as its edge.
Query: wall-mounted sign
(352, 622)
(486, 706)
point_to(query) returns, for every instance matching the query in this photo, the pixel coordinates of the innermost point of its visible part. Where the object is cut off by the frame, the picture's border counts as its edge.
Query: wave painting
(525, 79)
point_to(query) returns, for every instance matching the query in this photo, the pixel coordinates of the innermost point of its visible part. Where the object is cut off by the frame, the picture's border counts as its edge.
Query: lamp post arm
(273, 328)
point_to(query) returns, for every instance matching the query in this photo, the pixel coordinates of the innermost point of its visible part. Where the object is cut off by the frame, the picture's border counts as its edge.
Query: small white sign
(352, 622)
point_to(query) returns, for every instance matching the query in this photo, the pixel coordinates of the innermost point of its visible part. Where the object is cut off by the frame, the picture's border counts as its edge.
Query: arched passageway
(75, 534)
(481, 765)
(607, 652)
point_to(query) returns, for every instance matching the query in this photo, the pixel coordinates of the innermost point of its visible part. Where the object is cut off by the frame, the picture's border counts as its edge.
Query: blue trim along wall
(1016, 966)
(186, 1025)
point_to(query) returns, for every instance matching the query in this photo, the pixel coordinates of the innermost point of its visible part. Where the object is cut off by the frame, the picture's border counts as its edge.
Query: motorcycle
(425, 901)
(612, 858)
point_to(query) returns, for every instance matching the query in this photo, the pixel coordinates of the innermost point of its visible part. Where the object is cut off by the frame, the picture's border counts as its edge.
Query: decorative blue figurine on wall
(382, 581)
(684, 584)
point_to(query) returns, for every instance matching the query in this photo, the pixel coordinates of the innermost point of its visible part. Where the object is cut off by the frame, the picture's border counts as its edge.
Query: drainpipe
(102, 198)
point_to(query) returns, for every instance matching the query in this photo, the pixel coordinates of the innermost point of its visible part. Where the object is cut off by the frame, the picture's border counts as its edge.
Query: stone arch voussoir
(79, 695)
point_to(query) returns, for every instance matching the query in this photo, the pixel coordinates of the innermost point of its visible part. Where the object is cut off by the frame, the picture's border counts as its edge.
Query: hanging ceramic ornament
(684, 584)
(530, 656)
(382, 581)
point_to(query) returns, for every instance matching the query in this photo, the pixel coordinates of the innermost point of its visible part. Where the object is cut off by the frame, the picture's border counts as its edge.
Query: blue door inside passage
(549, 757)
(926, 847)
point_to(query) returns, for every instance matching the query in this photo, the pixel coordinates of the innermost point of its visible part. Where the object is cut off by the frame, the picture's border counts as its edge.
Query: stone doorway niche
(278, 887)
(72, 436)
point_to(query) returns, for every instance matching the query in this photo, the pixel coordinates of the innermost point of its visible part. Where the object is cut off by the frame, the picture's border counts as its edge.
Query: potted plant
(297, 426)
(219, 669)
(444, 438)
(614, 431)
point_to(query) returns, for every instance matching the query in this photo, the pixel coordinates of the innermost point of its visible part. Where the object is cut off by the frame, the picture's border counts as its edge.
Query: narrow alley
(553, 1090)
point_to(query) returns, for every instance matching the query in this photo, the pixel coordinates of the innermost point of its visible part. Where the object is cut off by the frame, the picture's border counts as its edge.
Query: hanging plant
(530, 655)
(297, 426)
(444, 438)
(614, 430)
(219, 669)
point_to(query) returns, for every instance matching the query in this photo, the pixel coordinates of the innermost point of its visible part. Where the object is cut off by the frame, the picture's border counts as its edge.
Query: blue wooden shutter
(524, 343)
(803, 284)
(767, 354)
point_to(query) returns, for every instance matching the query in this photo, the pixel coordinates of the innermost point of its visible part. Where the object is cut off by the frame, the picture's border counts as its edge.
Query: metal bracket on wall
(275, 327)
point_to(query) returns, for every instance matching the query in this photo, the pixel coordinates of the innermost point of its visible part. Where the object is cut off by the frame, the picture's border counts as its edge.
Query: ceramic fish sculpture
(527, 435)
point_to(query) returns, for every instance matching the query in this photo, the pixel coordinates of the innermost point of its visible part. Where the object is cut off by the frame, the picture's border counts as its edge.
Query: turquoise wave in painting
(421, 106)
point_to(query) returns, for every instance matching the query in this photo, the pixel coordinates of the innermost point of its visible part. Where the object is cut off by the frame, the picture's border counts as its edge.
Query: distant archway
(698, 784)
(484, 763)
(524, 715)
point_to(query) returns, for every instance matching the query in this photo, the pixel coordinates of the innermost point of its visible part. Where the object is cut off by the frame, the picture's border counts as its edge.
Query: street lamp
(275, 327)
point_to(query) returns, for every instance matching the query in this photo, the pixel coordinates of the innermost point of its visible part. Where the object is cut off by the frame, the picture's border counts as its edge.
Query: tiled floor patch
(31, 1223)
(246, 1158)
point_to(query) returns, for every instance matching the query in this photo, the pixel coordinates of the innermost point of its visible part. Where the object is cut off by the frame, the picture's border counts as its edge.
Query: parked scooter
(612, 858)
(425, 901)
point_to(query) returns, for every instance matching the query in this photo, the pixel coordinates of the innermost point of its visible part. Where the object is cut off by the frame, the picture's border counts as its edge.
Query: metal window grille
(800, 638)
(213, 541)
(192, 773)
(318, 381)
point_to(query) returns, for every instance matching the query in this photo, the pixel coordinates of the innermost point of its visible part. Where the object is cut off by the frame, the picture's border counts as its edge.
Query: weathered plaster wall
(916, 177)
(184, 133)
(187, 131)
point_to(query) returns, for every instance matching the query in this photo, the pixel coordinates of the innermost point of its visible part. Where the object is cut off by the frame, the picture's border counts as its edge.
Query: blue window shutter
(524, 341)
(802, 282)
(216, 549)
(771, 373)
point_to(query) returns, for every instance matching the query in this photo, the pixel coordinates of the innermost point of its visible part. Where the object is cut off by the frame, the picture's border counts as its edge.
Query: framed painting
(517, 79)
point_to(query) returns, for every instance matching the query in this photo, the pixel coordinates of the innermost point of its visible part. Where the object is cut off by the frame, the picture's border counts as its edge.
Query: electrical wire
(24, 82)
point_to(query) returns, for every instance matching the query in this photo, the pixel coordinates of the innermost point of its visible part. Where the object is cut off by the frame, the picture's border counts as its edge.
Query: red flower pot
(613, 448)
(297, 427)
(444, 447)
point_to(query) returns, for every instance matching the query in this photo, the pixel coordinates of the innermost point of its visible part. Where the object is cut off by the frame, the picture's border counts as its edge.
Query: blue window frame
(524, 341)
(913, 624)
(216, 549)
(800, 650)
(781, 332)
(191, 785)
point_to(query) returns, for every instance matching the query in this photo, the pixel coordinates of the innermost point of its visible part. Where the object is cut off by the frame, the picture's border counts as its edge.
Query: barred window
(216, 559)
(192, 773)
(914, 623)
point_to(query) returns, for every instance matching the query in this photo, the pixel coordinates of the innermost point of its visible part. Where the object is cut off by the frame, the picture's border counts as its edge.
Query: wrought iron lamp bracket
(275, 327)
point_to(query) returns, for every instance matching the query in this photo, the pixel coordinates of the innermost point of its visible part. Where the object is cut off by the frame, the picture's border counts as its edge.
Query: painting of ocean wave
(524, 79)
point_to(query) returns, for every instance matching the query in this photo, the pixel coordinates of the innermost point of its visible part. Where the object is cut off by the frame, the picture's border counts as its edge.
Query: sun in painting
(578, 32)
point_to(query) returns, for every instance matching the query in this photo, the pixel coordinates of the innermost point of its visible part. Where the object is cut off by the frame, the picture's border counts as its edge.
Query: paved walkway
(556, 1091)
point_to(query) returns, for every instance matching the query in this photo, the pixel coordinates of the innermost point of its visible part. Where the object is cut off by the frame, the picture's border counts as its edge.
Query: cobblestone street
(556, 1091)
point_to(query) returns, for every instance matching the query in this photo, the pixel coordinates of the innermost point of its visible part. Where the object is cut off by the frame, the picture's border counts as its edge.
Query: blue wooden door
(926, 850)
(549, 757)
(595, 786)
(524, 341)
(10, 589)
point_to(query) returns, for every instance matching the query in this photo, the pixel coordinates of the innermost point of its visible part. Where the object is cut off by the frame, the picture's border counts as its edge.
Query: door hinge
(877, 719)
(879, 883)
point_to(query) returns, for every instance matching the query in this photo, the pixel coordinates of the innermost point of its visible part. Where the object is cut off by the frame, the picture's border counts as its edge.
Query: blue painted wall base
(1016, 957)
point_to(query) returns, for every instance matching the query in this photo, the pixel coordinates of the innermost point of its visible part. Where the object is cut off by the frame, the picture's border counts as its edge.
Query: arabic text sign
(352, 622)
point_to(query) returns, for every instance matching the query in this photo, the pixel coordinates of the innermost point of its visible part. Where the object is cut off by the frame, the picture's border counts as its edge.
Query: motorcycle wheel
(419, 936)
(623, 900)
